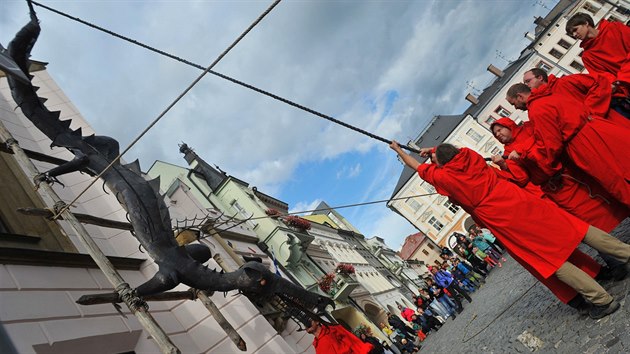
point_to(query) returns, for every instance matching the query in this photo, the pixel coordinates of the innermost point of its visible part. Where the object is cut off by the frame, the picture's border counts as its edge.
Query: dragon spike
(77, 132)
(42, 100)
(56, 114)
(35, 88)
(66, 123)
(134, 166)
(155, 185)
(30, 77)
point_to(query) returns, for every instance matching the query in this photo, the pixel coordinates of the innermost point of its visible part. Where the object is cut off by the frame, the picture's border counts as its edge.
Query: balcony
(342, 287)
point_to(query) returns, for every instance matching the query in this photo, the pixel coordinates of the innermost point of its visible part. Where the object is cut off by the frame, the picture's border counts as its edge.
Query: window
(451, 207)
(474, 135)
(590, 8)
(555, 53)
(430, 246)
(336, 220)
(436, 224)
(413, 204)
(502, 112)
(490, 120)
(577, 66)
(428, 187)
(564, 44)
(425, 252)
(622, 10)
(544, 66)
(612, 18)
(243, 213)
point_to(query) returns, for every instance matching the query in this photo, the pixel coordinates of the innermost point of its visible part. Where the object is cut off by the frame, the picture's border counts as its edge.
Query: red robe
(537, 232)
(598, 147)
(573, 191)
(337, 340)
(608, 53)
(594, 91)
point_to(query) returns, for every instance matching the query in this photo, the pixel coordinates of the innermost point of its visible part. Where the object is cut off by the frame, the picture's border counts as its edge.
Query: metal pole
(49, 196)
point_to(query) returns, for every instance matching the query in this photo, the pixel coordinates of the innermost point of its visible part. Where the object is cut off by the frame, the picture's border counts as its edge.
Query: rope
(206, 70)
(233, 80)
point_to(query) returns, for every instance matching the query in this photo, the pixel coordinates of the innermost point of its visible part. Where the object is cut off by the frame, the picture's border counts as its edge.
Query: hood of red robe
(602, 27)
(522, 135)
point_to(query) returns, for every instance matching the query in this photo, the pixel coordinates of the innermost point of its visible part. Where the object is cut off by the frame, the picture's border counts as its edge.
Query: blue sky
(384, 66)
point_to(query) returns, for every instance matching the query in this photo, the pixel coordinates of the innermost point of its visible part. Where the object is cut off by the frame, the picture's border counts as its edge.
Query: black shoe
(584, 308)
(598, 312)
(616, 273)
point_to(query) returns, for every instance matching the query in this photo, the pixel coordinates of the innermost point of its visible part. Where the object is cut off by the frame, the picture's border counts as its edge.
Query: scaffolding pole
(51, 199)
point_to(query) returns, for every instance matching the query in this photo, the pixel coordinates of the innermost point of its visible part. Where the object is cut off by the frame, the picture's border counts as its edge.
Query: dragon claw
(45, 177)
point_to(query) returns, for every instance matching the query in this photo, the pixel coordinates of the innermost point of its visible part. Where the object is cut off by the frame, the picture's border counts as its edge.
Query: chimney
(472, 99)
(539, 21)
(496, 71)
(530, 36)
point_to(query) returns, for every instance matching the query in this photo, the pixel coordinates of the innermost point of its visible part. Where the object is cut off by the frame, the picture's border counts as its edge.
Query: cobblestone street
(513, 313)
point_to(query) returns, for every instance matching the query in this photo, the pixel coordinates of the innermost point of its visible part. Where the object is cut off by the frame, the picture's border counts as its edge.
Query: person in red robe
(536, 231)
(334, 339)
(606, 52)
(606, 47)
(593, 90)
(564, 127)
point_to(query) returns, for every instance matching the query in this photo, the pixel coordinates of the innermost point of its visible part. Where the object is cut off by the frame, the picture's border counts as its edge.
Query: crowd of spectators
(449, 283)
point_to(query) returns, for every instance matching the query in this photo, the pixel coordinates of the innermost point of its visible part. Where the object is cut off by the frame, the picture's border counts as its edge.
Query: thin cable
(233, 80)
(242, 221)
(206, 70)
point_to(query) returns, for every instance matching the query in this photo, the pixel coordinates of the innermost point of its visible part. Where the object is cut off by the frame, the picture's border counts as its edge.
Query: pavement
(513, 313)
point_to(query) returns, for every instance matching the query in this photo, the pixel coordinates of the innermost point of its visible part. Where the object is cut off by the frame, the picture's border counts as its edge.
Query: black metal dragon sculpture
(147, 211)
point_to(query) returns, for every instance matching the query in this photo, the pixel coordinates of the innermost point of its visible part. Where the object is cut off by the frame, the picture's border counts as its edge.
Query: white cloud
(340, 58)
(348, 172)
(305, 206)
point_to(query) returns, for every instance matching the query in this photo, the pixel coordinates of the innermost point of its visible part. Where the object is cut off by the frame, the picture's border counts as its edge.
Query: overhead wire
(233, 80)
(242, 221)
(181, 95)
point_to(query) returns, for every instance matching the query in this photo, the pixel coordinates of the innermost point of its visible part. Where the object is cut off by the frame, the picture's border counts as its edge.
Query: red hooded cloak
(608, 54)
(537, 232)
(596, 146)
(337, 340)
(594, 91)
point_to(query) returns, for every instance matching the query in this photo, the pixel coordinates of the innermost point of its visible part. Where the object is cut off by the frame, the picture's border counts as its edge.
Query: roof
(498, 84)
(321, 219)
(442, 126)
(543, 23)
(434, 134)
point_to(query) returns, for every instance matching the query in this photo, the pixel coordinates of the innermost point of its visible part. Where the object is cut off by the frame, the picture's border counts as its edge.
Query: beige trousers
(582, 282)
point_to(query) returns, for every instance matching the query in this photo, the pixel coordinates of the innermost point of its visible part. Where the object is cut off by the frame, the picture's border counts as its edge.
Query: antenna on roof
(541, 4)
(473, 89)
(500, 55)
